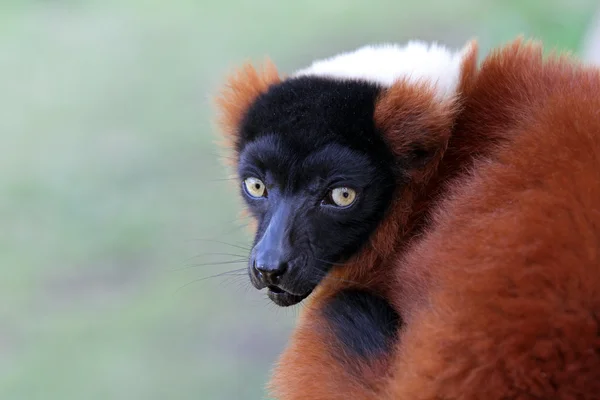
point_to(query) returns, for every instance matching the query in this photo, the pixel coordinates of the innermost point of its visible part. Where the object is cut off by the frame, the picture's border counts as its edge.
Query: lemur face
(317, 176)
(320, 155)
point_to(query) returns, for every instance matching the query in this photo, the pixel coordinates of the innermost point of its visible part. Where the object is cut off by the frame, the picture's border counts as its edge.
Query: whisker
(242, 224)
(220, 263)
(221, 228)
(210, 264)
(232, 272)
(217, 254)
(239, 279)
(225, 243)
(231, 278)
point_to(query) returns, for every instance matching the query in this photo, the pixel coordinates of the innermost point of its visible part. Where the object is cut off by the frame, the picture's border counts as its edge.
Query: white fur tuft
(384, 64)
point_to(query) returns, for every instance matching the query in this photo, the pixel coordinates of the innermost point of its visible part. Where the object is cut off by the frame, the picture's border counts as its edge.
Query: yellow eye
(343, 196)
(255, 187)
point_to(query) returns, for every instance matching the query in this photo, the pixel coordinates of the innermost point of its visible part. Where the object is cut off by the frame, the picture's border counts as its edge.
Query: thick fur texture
(513, 294)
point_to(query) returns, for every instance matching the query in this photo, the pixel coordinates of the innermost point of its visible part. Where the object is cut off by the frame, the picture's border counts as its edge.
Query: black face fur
(303, 138)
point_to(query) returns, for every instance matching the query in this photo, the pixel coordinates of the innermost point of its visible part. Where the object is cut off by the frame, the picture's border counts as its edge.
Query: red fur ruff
(513, 298)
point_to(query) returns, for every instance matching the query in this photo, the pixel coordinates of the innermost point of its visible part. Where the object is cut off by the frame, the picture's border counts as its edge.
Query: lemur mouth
(283, 298)
(275, 289)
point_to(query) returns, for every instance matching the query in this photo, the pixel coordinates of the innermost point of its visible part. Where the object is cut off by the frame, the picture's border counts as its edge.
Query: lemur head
(322, 154)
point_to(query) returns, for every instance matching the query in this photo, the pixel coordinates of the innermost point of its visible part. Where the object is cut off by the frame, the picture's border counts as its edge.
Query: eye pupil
(257, 186)
(346, 194)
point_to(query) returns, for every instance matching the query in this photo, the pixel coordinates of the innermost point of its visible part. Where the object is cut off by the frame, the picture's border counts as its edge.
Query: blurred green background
(113, 204)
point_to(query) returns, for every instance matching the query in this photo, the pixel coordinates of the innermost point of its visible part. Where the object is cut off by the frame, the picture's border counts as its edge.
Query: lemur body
(512, 254)
(392, 143)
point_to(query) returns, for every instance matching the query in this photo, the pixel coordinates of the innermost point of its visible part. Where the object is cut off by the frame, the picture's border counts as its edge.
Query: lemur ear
(241, 89)
(416, 116)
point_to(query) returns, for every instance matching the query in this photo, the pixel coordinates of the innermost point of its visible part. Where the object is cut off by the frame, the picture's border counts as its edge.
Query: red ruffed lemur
(338, 164)
(342, 164)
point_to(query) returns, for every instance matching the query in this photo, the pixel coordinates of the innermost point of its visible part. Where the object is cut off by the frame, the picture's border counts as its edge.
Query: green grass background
(110, 187)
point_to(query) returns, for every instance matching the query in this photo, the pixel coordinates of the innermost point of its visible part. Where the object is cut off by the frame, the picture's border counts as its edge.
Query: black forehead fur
(310, 112)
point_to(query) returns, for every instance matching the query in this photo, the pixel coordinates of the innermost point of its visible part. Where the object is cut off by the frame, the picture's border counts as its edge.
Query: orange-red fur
(513, 256)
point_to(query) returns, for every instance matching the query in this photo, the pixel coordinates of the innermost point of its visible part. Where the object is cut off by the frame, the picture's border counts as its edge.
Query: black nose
(270, 273)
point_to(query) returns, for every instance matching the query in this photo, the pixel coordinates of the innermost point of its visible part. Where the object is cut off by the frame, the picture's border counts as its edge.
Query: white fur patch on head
(385, 64)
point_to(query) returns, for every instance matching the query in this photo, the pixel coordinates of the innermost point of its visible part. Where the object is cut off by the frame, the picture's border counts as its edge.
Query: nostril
(279, 272)
(275, 276)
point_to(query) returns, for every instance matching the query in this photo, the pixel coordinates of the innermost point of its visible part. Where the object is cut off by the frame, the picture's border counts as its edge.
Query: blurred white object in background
(591, 41)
